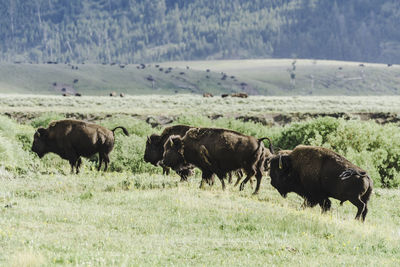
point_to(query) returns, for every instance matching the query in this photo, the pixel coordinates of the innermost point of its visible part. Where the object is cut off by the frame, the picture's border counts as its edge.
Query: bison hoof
(241, 187)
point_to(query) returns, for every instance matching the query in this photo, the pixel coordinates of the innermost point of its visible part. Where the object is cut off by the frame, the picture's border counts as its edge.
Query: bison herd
(314, 173)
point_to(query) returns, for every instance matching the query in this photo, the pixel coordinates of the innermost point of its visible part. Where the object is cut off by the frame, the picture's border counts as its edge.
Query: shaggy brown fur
(72, 139)
(317, 173)
(155, 148)
(216, 151)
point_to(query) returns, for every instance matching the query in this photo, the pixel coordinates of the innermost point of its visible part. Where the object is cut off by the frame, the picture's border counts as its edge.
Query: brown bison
(317, 173)
(155, 149)
(216, 151)
(241, 95)
(72, 139)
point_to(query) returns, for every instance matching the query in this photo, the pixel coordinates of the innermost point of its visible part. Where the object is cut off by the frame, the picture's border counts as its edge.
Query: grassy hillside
(132, 215)
(129, 220)
(256, 77)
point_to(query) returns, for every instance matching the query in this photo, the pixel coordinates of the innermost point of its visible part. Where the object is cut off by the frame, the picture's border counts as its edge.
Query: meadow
(277, 77)
(132, 215)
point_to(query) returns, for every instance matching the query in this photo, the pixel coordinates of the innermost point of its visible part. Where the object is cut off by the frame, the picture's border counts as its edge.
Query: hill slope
(256, 77)
(135, 31)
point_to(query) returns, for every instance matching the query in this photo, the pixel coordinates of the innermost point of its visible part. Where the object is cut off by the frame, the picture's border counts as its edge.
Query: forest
(135, 31)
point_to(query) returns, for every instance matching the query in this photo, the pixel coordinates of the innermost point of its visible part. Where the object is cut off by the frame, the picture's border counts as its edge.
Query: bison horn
(280, 161)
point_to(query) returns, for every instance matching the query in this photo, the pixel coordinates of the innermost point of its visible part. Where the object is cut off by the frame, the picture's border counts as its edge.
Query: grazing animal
(241, 95)
(121, 94)
(72, 139)
(113, 94)
(224, 95)
(78, 94)
(316, 174)
(155, 149)
(216, 151)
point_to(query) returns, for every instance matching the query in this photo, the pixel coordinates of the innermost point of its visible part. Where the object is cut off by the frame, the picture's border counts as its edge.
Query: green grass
(185, 104)
(134, 216)
(125, 219)
(263, 77)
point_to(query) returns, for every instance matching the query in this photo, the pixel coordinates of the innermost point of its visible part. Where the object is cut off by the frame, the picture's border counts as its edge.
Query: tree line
(133, 31)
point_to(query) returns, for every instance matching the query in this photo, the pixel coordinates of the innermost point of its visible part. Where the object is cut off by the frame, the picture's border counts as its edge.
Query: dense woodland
(134, 31)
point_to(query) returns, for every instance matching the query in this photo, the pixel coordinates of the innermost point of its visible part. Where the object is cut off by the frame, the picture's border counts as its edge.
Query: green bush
(44, 119)
(374, 147)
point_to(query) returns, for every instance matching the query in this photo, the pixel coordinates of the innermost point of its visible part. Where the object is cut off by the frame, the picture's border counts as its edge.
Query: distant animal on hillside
(316, 174)
(208, 95)
(78, 94)
(224, 95)
(73, 139)
(121, 94)
(216, 151)
(241, 95)
(113, 94)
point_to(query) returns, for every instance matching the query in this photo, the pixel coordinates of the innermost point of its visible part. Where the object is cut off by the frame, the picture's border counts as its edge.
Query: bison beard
(216, 151)
(317, 173)
(73, 139)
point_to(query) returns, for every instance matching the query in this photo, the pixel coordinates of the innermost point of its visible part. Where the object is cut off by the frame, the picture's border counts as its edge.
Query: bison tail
(123, 129)
(271, 148)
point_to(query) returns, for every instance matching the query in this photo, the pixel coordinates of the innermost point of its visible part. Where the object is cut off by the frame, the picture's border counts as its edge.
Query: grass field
(134, 216)
(125, 220)
(257, 77)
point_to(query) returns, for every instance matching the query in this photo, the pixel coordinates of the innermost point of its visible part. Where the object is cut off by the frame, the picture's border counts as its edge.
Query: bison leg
(325, 205)
(106, 161)
(249, 175)
(100, 161)
(221, 177)
(258, 177)
(238, 180)
(365, 199)
(165, 170)
(206, 177)
(230, 177)
(360, 206)
(78, 165)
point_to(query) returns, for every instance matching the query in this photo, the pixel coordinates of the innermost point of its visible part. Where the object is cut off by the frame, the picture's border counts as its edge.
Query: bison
(155, 149)
(317, 173)
(72, 139)
(216, 151)
(241, 95)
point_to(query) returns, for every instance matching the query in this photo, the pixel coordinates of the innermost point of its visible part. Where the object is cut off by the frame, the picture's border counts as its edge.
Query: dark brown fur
(317, 173)
(72, 139)
(216, 151)
(155, 148)
(241, 95)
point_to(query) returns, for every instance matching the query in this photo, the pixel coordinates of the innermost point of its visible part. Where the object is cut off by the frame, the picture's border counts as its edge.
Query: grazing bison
(241, 95)
(72, 139)
(216, 151)
(155, 149)
(113, 94)
(317, 173)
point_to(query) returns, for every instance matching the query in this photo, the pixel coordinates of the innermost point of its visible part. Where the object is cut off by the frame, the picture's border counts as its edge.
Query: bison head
(154, 149)
(39, 145)
(281, 174)
(173, 153)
